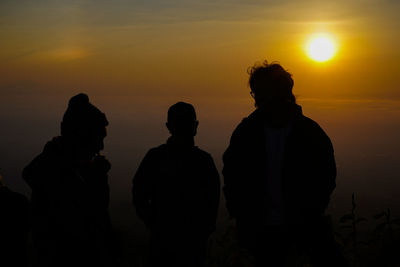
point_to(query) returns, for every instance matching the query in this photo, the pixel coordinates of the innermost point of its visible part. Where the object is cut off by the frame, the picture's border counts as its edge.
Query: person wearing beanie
(176, 194)
(70, 192)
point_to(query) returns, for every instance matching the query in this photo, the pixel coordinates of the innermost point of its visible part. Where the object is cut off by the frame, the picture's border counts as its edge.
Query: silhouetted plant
(225, 251)
(351, 221)
(386, 238)
(386, 221)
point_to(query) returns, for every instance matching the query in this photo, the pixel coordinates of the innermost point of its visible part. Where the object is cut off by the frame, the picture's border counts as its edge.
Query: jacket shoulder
(313, 131)
(245, 124)
(246, 129)
(203, 154)
(310, 125)
(156, 150)
(40, 165)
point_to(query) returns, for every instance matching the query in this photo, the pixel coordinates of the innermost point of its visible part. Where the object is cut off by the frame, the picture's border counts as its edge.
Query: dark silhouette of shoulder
(36, 173)
(70, 192)
(159, 180)
(14, 226)
(310, 166)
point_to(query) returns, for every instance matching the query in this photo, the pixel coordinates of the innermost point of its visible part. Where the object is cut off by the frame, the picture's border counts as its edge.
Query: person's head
(181, 121)
(270, 83)
(84, 126)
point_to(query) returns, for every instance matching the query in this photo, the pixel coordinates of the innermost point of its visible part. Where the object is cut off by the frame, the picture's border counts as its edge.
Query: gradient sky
(136, 58)
(196, 47)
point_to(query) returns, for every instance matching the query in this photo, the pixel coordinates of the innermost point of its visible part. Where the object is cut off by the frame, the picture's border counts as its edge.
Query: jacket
(69, 207)
(176, 190)
(309, 169)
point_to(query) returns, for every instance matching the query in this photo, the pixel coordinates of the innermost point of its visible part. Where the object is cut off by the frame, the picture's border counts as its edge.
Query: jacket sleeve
(327, 169)
(100, 186)
(214, 195)
(142, 188)
(324, 171)
(233, 171)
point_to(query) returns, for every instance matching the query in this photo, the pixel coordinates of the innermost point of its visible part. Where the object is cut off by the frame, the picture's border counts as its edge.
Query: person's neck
(181, 141)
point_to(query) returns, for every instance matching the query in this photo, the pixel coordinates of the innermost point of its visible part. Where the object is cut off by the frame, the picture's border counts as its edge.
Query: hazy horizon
(364, 134)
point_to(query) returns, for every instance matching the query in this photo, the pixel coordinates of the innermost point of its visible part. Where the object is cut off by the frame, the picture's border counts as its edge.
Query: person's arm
(142, 188)
(100, 168)
(325, 169)
(232, 171)
(214, 195)
(328, 170)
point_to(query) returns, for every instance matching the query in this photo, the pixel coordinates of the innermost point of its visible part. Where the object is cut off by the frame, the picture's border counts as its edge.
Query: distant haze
(136, 58)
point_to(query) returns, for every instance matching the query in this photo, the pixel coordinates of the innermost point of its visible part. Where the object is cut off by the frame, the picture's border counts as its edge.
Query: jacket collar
(277, 114)
(180, 143)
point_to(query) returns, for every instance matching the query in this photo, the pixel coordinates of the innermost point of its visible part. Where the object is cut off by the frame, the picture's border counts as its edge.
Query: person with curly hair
(279, 172)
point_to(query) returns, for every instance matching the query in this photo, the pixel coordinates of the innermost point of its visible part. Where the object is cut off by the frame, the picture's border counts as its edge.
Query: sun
(321, 47)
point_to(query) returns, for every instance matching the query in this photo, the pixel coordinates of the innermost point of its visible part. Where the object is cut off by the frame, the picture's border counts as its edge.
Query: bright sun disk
(321, 48)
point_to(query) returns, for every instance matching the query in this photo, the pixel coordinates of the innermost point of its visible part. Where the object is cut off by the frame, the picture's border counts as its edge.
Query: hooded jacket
(69, 206)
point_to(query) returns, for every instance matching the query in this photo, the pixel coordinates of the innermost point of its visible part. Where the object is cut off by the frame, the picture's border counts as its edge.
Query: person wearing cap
(279, 172)
(176, 194)
(70, 192)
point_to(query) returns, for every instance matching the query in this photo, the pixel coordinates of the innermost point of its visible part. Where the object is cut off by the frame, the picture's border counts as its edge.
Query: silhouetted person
(176, 193)
(279, 172)
(70, 192)
(14, 226)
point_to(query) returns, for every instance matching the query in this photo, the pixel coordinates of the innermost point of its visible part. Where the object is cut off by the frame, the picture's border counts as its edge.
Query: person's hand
(101, 164)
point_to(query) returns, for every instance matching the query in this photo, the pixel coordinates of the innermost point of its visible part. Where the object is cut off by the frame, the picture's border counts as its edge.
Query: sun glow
(321, 47)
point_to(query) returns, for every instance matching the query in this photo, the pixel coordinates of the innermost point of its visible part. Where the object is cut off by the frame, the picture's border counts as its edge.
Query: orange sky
(186, 48)
(136, 58)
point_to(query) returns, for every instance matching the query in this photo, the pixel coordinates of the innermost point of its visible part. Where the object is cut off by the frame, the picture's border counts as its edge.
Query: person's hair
(181, 111)
(270, 83)
(81, 116)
